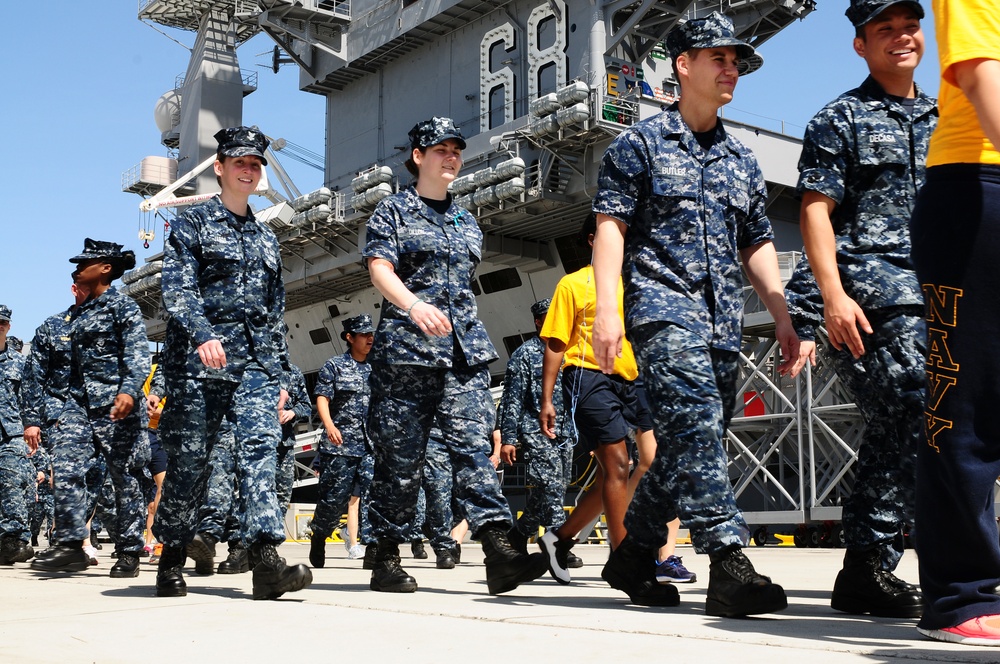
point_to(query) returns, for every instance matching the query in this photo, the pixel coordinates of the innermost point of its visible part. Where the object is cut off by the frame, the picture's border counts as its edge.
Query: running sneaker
(672, 570)
(148, 549)
(355, 552)
(154, 558)
(91, 553)
(979, 631)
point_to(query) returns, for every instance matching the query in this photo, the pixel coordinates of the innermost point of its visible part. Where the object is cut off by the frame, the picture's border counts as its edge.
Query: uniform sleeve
(181, 295)
(276, 319)
(512, 400)
(757, 227)
(326, 382)
(823, 164)
(381, 237)
(33, 379)
(623, 179)
(157, 384)
(298, 395)
(134, 357)
(805, 303)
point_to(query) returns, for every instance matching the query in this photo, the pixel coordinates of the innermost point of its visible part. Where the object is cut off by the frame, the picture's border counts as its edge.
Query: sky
(82, 84)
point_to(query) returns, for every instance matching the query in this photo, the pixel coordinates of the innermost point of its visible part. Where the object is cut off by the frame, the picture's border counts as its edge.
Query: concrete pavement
(90, 617)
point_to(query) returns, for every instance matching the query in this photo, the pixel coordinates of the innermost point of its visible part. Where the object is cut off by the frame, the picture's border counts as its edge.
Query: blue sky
(82, 85)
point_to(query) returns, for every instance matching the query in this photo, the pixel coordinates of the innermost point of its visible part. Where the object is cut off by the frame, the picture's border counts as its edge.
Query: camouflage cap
(98, 249)
(540, 308)
(713, 31)
(242, 141)
(4, 313)
(436, 130)
(361, 324)
(862, 11)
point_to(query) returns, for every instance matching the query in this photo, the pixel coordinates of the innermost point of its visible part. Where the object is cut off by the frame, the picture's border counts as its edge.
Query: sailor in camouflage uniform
(16, 471)
(342, 396)
(683, 202)
(296, 408)
(430, 364)
(549, 461)
(224, 356)
(862, 164)
(109, 364)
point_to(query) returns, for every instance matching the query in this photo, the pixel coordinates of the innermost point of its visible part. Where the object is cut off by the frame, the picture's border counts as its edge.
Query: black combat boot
(8, 549)
(735, 588)
(272, 578)
(238, 561)
(862, 586)
(445, 558)
(506, 568)
(24, 552)
(201, 550)
(388, 576)
(369, 559)
(517, 539)
(317, 549)
(64, 557)
(127, 566)
(418, 550)
(632, 569)
(34, 540)
(169, 579)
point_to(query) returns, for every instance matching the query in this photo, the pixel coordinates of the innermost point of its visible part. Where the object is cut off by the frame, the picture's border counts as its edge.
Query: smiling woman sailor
(429, 364)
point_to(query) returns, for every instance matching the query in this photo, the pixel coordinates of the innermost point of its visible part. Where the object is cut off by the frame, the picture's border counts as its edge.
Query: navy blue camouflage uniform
(420, 381)
(344, 381)
(294, 383)
(549, 461)
(866, 151)
(689, 212)
(42, 511)
(222, 281)
(217, 515)
(109, 356)
(17, 477)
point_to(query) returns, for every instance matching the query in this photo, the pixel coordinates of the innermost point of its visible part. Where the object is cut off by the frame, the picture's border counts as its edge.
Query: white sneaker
(355, 552)
(91, 554)
(555, 554)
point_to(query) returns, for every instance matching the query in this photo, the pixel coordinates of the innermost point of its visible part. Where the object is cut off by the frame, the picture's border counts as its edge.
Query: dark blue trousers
(956, 250)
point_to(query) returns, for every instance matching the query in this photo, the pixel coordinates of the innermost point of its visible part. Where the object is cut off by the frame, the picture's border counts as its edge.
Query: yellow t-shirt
(571, 320)
(965, 30)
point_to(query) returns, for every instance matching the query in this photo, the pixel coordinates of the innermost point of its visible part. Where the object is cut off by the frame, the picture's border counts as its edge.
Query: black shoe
(736, 589)
(369, 559)
(388, 576)
(127, 566)
(94, 542)
(418, 550)
(201, 550)
(317, 549)
(573, 561)
(518, 540)
(506, 569)
(9, 545)
(238, 562)
(62, 558)
(632, 569)
(34, 540)
(272, 578)
(457, 553)
(862, 586)
(169, 579)
(445, 559)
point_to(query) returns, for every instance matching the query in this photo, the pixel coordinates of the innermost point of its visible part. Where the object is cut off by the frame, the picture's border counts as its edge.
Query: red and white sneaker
(979, 631)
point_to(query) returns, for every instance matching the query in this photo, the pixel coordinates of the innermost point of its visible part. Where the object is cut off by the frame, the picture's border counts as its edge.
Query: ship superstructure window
(407, 3)
(500, 280)
(571, 254)
(514, 341)
(320, 336)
